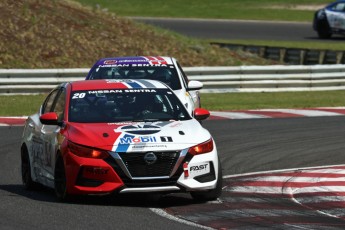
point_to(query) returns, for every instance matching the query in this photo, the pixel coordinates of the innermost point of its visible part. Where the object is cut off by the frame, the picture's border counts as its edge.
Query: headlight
(321, 15)
(87, 152)
(204, 147)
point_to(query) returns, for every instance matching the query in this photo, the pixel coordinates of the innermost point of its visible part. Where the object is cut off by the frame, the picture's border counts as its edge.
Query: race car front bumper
(185, 173)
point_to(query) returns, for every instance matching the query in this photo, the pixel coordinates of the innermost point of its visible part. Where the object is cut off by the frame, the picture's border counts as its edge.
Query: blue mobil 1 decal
(127, 140)
(136, 140)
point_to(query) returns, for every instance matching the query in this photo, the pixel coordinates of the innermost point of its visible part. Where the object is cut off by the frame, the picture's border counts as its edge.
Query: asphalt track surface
(239, 29)
(245, 146)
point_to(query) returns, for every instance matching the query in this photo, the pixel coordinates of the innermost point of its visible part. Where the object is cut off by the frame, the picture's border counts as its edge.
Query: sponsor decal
(132, 60)
(166, 139)
(128, 139)
(140, 141)
(133, 65)
(199, 169)
(115, 91)
(156, 60)
(148, 146)
(118, 80)
(104, 91)
(140, 91)
(110, 62)
(121, 123)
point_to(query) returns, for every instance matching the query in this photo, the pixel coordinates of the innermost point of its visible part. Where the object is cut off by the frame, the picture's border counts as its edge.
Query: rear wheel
(212, 194)
(28, 183)
(60, 186)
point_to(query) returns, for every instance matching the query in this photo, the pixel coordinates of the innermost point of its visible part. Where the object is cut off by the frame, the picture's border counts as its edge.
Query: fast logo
(198, 167)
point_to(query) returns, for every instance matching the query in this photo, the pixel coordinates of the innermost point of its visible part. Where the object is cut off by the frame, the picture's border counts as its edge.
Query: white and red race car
(119, 136)
(164, 69)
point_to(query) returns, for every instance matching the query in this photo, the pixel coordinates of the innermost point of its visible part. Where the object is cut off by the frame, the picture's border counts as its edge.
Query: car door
(48, 135)
(336, 16)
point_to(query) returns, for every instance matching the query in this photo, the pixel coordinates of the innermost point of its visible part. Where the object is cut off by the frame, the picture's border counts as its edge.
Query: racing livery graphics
(330, 20)
(119, 136)
(164, 69)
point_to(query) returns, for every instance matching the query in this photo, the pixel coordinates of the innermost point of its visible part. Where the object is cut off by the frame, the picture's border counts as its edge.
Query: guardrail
(291, 56)
(277, 78)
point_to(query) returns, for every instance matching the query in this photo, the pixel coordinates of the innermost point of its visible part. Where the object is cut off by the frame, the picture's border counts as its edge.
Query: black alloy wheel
(28, 183)
(60, 186)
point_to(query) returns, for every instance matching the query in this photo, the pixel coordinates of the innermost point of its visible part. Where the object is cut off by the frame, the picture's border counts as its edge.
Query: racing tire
(28, 183)
(323, 29)
(212, 194)
(324, 34)
(60, 185)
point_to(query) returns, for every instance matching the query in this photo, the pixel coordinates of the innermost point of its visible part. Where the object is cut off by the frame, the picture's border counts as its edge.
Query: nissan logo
(150, 158)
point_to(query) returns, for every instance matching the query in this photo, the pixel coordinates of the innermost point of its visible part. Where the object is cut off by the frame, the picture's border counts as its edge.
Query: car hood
(139, 136)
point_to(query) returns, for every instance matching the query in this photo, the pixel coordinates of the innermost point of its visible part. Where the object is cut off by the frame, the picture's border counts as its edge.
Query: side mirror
(201, 114)
(195, 85)
(49, 118)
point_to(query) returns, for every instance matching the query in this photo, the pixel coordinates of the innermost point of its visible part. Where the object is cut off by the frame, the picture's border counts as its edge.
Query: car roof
(333, 3)
(117, 84)
(151, 60)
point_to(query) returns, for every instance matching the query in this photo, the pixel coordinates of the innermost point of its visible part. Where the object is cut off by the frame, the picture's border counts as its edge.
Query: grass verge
(26, 105)
(282, 10)
(238, 101)
(20, 105)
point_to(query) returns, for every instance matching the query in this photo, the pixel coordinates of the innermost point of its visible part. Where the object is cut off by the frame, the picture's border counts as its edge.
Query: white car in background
(330, 20)
(164, 69)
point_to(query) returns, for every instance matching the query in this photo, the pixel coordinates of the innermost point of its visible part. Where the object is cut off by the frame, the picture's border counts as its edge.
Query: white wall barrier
(277, 78)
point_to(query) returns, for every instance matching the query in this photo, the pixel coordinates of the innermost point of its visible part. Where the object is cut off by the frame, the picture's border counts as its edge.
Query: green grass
(20, 105)
(238, 101)
(273, 10)
(26, 105)
(286, 10)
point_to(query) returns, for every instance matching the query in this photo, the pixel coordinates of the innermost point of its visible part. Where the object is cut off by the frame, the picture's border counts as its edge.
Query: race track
(239, 29)
(245, 146)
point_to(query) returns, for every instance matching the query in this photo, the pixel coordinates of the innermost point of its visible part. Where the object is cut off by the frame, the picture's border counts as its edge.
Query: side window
(339, 7)
(59, 107)
(49, 102)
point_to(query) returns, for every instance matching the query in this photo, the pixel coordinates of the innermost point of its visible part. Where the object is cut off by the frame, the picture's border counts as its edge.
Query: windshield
(104, 106)
(163, 73)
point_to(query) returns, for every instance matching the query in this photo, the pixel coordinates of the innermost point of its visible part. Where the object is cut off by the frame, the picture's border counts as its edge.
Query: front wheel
(212, 194)
(323, 34)
(323, 29)
(60, 185)
(28, 183)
